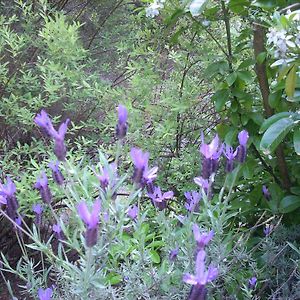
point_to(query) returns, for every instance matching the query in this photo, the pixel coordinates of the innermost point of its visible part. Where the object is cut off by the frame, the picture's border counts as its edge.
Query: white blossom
(153, 9)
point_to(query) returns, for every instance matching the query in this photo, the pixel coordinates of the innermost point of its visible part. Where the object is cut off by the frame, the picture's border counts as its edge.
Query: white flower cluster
(153, 9)
(281, 41)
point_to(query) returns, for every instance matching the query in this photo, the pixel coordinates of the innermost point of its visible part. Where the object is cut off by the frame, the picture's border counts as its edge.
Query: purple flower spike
(56, 173)
(266, 193)
(173, 254)
(140, 161)
(91, 220)
(203, 183)
(268, 229)
(202, 277)
(60, 149)
(7, 193)
(58, 231)
(42, 185)
(208, 150)
(202, 239)
(252, 282)
(242, 148)
(38, 210)
(193, 198)
(122, 125)
(133, 212)
(243, 137)
(142, 175)
(230, 155)
(159, 199)
(3, 200)
(211, 154)
(106, 174)
(45, 294)
(45, 123)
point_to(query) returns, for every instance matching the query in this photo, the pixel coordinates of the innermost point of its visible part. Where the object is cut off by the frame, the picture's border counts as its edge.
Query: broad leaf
(289, 204)
(296, 139)
(220, 98)
(268, 122)
(275, 134)
(290, 83)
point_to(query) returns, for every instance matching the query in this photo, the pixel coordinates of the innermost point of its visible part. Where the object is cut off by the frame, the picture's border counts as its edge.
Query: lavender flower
(193, 198)
(133, 212)
(252, 282)
(108, 175)
(56, 173)
(43, 187)
(142, 175)
(153, 9)
(201, 278)
(58, 231)
(7, 192)
(242, 148)
(45, 294)
(268, 229)
(122, 125)
(266, 192)
(18, 224)
(201, 239)
(2, 199)
(38, 210)
(173, 254)
(91, 220)
(203, 183)
(230, 155)
(211, 154)
(60, 149)
(159, 199)
(45, 123)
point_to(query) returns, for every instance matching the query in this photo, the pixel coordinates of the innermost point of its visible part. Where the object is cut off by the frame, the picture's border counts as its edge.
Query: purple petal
(37, 208)
(190, 279)
(45, 294)
(139, 158)
(196, 232)
(168, 195)
(151, 174)
(133, 212)
(212, 273)
(63, 129)
(200, 267)
(201, 182)
(94, 220)
(83, 212)
(243, 137)
(3, 200)
(56, 228)
(122, 114)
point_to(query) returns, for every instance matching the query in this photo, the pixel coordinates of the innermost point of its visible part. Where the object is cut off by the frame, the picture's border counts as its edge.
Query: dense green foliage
(180, 68)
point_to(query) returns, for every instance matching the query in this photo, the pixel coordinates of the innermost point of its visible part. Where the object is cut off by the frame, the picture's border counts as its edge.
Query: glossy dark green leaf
(289, 204)
(275, 134)
(231, 78)
(246, 63)
(220, 98)
(290, 82)
(274, 99)
(245, 76)
(296, 140)
(268, 122)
